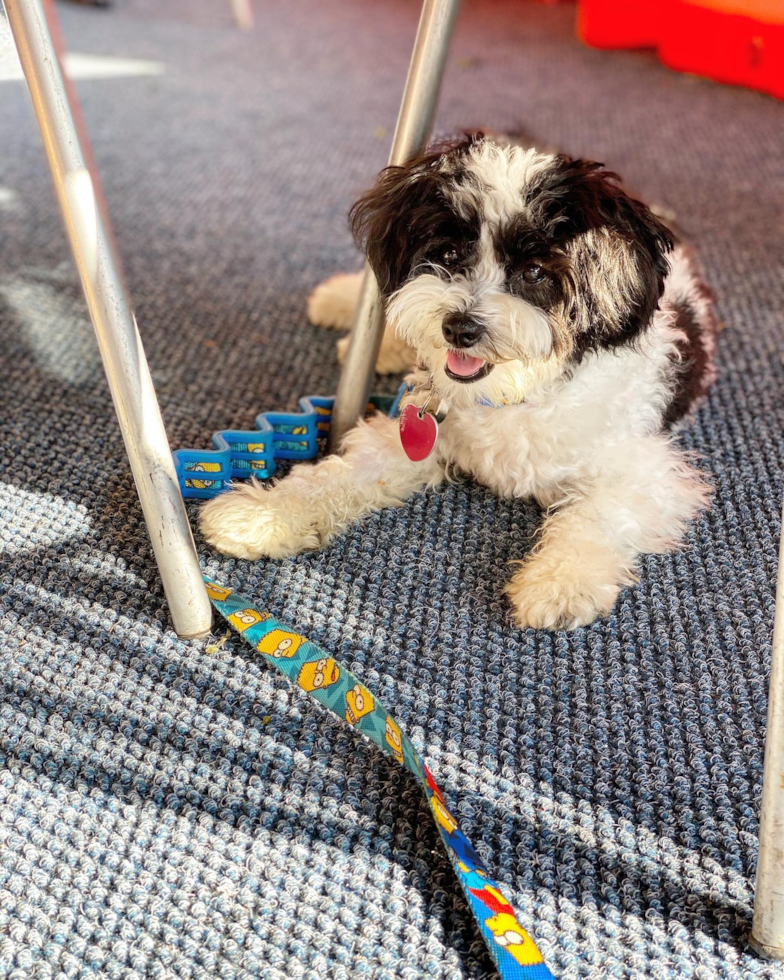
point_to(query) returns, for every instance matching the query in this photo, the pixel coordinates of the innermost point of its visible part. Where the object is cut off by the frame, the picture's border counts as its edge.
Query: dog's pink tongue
(462, 365)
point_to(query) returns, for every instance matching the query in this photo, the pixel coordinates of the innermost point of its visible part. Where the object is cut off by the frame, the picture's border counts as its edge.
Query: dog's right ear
(384, 221)
(395, 220)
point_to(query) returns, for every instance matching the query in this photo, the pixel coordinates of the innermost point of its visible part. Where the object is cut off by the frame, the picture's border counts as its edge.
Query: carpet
(172, 811)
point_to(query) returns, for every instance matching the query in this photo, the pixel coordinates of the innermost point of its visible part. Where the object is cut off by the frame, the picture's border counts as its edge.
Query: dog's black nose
(461, 330)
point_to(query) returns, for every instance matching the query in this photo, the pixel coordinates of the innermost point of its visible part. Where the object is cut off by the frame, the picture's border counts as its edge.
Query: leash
(308, 667)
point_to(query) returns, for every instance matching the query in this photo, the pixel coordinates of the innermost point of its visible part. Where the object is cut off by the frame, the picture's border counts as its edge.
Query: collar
(408, 387)
(488, 404)
(485, 402)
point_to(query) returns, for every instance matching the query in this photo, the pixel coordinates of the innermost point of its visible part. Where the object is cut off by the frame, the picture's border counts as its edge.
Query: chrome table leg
(89, 231)
(414, 124)
(767, 932)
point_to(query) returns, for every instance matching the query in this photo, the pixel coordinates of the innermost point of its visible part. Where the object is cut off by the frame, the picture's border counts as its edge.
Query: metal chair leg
(89, 231)
(414, 124)
(767, 931)
(243, 14)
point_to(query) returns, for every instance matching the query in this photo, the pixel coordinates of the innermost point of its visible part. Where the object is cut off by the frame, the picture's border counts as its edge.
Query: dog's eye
(534, 273)
(450, 257)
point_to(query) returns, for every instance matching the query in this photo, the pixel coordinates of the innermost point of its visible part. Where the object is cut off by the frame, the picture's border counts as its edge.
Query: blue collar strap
(488, 404)
(406, 388)
(308, 667)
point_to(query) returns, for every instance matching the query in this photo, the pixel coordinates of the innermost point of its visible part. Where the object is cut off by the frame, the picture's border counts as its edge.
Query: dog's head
(502, 266)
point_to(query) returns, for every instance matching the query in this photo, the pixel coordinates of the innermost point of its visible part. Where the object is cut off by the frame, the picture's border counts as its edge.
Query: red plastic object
(619, 23)
(741, 43)
(736, 41)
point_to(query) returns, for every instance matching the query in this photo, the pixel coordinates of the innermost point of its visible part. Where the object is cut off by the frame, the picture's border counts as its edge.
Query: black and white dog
(564, 332)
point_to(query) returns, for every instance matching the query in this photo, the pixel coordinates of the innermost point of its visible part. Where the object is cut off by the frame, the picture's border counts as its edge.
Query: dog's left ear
(618, 249)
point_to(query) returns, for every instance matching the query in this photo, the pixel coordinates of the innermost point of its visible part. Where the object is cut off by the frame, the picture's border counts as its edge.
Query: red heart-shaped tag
(418, 433)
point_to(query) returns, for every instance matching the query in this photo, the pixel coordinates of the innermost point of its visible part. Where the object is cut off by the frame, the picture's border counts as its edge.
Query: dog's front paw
(251, 522)
(332, 302)
(557, 589)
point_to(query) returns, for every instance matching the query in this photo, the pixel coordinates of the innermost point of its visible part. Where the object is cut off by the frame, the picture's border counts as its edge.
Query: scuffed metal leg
(767, 933)
(243, 14)
(89, 231)
(414, 123)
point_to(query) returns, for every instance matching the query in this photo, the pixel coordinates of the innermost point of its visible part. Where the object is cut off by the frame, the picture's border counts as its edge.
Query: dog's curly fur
(567, 333)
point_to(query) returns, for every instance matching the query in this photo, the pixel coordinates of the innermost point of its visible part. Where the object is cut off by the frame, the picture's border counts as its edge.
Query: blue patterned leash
(331, 684)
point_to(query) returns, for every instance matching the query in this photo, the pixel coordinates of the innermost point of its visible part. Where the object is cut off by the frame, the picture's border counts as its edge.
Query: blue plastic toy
(238, 455)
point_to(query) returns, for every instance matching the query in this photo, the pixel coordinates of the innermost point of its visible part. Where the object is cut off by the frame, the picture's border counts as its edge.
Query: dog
(566, 334)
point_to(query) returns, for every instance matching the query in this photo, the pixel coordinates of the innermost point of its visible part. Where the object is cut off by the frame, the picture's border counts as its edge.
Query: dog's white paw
(563, 589)
(332, 302)
(395, 357)
(252, 522)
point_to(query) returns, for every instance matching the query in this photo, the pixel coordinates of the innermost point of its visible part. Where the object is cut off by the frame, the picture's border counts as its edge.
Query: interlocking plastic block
(239, 455)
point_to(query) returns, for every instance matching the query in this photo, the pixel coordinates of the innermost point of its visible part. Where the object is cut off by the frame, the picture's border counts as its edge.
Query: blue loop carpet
(172, 811)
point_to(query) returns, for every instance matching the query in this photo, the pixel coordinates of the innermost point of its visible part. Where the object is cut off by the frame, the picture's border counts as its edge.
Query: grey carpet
(168, 812)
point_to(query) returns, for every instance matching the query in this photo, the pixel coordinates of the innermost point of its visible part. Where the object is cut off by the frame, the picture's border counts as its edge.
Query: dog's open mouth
(464, 368)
